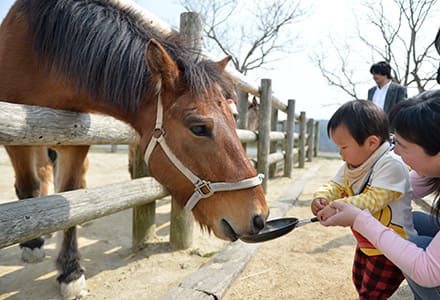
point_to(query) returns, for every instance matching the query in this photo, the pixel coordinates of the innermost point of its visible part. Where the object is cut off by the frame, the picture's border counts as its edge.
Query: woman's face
(416, 158)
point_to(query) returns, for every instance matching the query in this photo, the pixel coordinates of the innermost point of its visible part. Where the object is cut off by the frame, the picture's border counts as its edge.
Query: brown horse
(101, 56)
(252, 114)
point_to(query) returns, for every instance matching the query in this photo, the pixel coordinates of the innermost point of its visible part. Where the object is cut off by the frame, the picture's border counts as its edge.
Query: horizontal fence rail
(34, 125)
(30, 218)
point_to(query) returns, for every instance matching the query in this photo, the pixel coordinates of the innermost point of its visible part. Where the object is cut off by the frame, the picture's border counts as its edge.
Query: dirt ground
(311, 262)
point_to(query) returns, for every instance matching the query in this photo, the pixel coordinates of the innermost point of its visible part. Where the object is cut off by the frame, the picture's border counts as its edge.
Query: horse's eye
(201, 130)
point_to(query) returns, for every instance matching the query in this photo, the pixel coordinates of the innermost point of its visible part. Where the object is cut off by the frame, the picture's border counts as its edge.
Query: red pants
(375, 277)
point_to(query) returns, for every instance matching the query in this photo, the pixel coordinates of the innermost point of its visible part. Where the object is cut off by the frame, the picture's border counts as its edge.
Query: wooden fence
(30, 125)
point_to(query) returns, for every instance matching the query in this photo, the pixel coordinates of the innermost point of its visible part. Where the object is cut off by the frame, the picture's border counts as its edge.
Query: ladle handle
(307, 221)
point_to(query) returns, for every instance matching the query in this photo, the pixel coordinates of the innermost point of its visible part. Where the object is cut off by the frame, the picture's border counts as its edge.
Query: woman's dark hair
(417, 120)
(382, 68)
(362, 118)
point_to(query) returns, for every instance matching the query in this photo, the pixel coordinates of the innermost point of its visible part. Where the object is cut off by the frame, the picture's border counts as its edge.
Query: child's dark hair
(417, 120)
(362, 118)
(382, 68)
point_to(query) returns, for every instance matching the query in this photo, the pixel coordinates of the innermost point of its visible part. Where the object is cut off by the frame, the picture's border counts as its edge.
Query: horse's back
(23, 77)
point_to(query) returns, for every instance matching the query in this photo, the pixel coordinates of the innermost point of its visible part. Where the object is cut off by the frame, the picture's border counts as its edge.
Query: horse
(103, 56)
(252, 114)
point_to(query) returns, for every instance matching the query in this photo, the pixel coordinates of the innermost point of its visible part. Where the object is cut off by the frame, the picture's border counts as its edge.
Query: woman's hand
(345, 214)
(326, 213)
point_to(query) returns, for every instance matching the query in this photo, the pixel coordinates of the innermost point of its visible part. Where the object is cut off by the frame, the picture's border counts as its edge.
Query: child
(369, 179)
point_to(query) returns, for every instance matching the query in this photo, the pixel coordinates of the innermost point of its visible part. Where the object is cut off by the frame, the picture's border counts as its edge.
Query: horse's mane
(100, 45)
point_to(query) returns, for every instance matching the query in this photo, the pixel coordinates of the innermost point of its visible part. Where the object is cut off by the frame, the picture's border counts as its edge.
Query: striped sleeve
(373, 198)
(330, 191)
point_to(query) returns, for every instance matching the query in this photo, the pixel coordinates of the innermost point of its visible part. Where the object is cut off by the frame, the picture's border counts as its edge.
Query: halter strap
(202, 188)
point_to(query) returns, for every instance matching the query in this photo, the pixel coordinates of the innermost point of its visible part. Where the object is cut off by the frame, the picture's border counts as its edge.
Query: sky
(295, 76)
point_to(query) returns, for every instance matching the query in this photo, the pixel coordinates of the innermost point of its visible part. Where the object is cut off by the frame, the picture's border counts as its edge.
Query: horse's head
(198, 130)
(253, 114)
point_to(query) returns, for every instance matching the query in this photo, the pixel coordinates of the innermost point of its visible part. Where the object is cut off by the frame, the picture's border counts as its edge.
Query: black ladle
(275, 228)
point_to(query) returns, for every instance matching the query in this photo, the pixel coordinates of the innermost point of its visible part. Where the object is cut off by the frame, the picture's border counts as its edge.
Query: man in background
(386, 93)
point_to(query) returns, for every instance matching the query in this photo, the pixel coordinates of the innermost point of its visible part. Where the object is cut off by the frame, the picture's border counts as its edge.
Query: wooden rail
(34, 125)
(30, 218)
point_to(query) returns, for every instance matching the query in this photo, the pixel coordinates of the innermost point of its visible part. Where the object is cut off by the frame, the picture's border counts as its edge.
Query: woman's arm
(421, 266)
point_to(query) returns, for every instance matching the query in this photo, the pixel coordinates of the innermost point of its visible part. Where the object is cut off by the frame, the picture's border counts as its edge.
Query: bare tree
(398, 40)
(254, 35)
(342, 75)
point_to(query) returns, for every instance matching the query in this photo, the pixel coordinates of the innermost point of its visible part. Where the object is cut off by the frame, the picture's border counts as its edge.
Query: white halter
(202, 188)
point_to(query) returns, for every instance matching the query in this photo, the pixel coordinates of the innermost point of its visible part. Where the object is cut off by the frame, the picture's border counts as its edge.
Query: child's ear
(373, 142)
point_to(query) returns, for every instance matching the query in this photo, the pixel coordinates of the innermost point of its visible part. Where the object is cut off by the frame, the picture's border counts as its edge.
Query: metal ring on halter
(204, 189)
(158, 132)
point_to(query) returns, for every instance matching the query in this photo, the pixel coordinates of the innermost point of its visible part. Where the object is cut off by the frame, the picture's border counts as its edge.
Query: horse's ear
(255, 101)
(224, 62)
(160, 64)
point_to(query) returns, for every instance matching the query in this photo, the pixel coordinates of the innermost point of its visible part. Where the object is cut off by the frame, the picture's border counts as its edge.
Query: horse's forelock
(207, 77)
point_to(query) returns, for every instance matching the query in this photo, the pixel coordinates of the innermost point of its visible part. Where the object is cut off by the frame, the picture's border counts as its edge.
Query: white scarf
(358, 177)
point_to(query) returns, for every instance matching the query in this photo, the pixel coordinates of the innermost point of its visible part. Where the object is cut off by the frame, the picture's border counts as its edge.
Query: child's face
(351, 152)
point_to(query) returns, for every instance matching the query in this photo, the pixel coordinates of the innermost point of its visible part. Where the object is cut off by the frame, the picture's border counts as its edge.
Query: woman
(417, 131)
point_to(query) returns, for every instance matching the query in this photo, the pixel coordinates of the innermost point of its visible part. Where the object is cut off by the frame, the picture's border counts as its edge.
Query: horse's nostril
(258, 222)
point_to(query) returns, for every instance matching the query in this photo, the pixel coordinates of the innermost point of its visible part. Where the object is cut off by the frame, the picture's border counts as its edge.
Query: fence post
(242, 100)
(316, 143)
(310, 139)
(182, 221)
(290, 138)
(264, 130)
(302, 139)
(143, 216)
(273, 145)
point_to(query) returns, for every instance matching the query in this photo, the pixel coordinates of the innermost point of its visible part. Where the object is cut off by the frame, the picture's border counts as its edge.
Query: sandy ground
(311, 262)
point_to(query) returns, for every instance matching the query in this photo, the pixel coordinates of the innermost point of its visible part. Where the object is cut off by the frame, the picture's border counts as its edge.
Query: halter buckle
(204, 189)
(158, 132)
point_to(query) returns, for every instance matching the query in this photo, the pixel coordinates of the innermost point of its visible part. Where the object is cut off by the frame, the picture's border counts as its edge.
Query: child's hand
(345, 216)
(318, 204)
(326, 213)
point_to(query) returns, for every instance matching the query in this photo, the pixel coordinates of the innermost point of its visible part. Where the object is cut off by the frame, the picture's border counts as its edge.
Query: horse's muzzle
(258, 223)
(229, 232)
